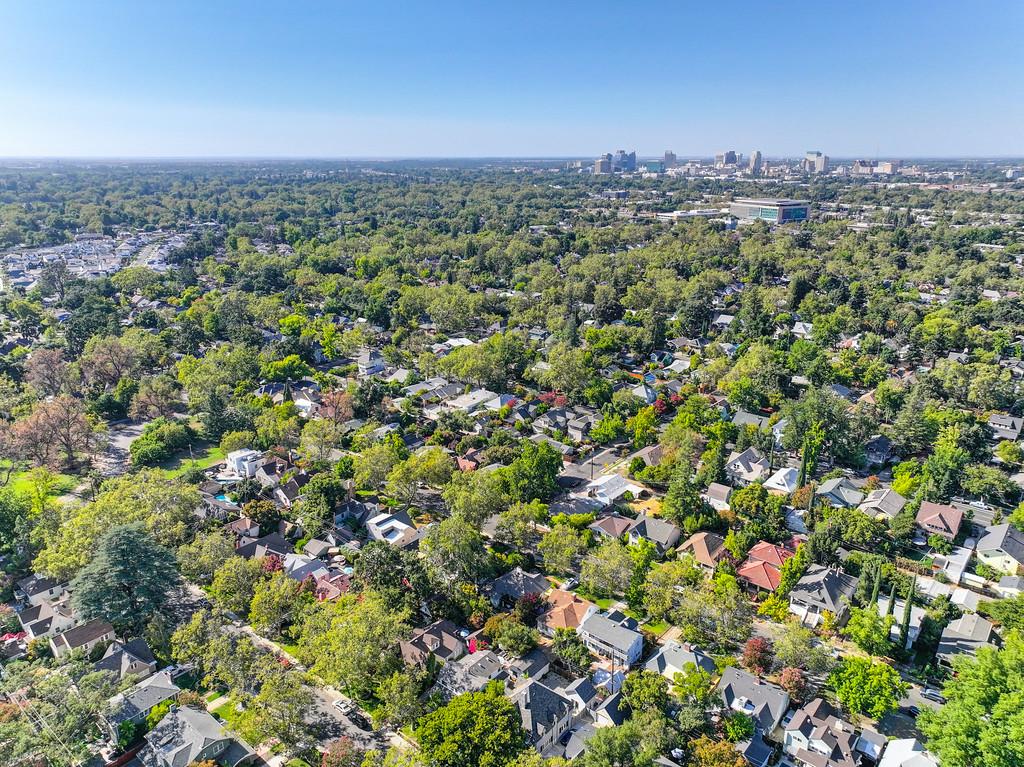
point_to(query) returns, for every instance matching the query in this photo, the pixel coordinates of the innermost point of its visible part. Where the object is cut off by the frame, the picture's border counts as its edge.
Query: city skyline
(259, 80)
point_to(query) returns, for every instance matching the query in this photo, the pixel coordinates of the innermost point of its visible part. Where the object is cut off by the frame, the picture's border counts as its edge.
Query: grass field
(21, 481)
(204, 456)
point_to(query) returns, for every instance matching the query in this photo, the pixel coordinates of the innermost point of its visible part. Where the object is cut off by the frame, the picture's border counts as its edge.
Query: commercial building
(815, 162)
(603, 165)
(755, 162)
(775, 211)
(725, 158)
(669, 159)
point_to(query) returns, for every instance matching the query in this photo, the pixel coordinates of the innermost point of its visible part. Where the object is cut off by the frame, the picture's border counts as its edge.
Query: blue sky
(390, 79)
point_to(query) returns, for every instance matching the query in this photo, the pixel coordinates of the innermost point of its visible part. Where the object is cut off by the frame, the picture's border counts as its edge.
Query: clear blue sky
(357, 79)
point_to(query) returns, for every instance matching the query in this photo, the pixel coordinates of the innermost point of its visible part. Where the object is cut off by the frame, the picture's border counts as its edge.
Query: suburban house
(782, 482)
(840, 492)
(135, 703)
(470, 673)
(37, 589)
(395, 528)
(964, 636)
(717, 495)
(608, 489)
(1005, 427)
(614, 637)
(883, 503)
(48, 617)
(821, 590)
(939, 519)
(1002, 548)
(438, 642)
(546, 714)
(83, 637)
(186, 735)
(664, 535)
(747, 467)
(762, 568)
(817, 737)
(612, 526)
(673, 658)
(762, 701)
(507, 589)
(127, 658)
(707, 549)
(565, 610)
(907, 752)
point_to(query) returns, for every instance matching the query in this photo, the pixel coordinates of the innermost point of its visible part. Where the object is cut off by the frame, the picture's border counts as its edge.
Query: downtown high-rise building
(669, 159)
(754, 164)
(815, 162)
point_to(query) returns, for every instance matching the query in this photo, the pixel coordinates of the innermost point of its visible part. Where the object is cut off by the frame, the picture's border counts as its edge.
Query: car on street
(933, 695)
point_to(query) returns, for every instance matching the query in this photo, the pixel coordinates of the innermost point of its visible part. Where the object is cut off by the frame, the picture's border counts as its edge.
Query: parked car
(931, 694)
(344, 706)
(359, 721)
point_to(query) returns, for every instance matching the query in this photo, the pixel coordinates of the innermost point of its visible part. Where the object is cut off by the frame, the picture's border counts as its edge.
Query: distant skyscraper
(755, 162)
(603, 164)
(815, 162)
(725, 158)
(670, 158)
(624, 163)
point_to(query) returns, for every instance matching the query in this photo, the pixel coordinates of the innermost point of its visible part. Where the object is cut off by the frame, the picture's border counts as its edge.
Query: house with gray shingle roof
(546, 714)
(822, 589)
(1002, 547)
(762, 701)
(187, 735)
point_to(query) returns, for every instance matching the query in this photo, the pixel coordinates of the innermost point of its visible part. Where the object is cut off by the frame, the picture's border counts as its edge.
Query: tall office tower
(815, 162)
(624, 163)
(755, 162)
(725, 158)
(670, 158)
(603, 165)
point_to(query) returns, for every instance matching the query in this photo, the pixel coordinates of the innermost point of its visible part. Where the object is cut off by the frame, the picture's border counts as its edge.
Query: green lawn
(657, 627)
(204, 457)
(21, 481)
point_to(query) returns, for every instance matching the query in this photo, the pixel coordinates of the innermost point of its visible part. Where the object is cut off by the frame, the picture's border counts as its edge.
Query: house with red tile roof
(763, 566)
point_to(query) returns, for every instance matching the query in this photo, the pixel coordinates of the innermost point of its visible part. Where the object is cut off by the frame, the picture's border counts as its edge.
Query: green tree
(645, 690)
(453, 552)
(234, 584)
(476, 729)
(532, 475)
(201, 558)
(131, 579)
(869, 630)
(607, 570)
(867, 687)
(352, 642)
(561, 547)
(980, 723)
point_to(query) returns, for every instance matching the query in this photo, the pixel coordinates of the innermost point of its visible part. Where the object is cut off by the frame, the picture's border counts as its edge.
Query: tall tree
(131, 579)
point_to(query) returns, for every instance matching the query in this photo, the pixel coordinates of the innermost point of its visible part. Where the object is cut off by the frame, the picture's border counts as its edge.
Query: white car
(344, 706)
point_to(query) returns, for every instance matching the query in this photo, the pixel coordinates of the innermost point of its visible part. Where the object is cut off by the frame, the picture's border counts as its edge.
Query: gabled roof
(613, 525)
(611, 633)
(673, 657)
(763, 701)
(840, 491)
(517, 583)
(884, 501)
(940, 518)
(655, 530)
(965, 635)
(1005, 538)
(80, 636)
(566, 610)
(541, 708)
(137, 701)
(825, 587)
(707, 548)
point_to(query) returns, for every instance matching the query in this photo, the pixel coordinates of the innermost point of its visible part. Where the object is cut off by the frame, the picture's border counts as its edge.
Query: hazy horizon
(540, 80)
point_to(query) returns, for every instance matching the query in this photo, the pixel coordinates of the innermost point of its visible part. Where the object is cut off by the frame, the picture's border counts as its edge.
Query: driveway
(115, 458)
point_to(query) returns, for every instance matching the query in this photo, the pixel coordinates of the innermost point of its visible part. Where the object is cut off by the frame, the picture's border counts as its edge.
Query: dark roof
(763, 701)
(79, 636)
(517, 583)
(826, 587)
(541, 709)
